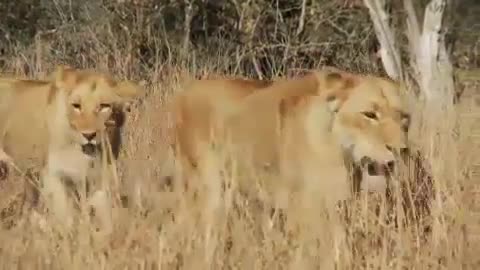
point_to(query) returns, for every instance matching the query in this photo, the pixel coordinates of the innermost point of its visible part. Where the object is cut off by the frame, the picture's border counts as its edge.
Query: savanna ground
(165, 229)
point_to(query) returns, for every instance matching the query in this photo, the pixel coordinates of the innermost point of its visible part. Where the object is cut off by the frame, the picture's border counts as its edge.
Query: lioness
(366, 116)
(307, 129)
(59, 124)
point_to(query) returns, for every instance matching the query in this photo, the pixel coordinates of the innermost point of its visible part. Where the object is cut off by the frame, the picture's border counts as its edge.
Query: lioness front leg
(56, 197)
(101, 204)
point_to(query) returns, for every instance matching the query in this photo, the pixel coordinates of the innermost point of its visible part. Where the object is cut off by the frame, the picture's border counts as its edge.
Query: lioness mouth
(374, 168)
(89, 149)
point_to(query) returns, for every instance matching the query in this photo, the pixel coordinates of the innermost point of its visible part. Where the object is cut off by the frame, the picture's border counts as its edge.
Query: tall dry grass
(162, 228)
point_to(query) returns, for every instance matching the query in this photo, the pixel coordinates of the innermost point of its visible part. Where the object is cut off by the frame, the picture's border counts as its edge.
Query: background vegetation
(159, 41)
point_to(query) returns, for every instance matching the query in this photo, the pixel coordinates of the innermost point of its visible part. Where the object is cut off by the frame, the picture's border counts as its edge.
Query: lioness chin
(60, 124)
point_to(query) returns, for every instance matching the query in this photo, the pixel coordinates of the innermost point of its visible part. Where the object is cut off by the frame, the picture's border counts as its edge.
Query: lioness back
(250, 107)
(201, 103)
(22, 117)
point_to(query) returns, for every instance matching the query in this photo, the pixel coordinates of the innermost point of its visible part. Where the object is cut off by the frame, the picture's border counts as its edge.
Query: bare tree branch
(301, 20)
(388, 51)
(413, 33)
(187, 25)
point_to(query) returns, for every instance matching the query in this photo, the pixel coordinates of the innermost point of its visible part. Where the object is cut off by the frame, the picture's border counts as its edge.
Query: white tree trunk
(428, 55)
(389, 53)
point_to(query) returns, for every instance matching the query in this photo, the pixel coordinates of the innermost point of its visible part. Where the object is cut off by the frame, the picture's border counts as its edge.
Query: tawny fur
(329, 116)
(306, 129)
(47, 123)
(196, 110)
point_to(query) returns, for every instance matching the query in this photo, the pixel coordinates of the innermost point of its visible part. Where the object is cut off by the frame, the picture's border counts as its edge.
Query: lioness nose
(89, 136)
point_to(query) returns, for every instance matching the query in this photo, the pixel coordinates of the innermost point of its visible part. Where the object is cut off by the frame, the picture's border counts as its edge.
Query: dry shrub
(169, 229)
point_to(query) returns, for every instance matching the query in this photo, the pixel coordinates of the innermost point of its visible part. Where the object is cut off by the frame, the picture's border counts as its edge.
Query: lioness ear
(64, 77)
(334, 100)
(287, 105)
(337, 80)
(337, 86)
(128, 90)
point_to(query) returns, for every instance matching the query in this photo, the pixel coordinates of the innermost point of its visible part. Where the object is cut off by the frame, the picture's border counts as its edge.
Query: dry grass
(166, 229)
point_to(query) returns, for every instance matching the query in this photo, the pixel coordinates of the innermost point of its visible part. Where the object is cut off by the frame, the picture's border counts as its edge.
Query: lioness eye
(76, 106)
(370, 115)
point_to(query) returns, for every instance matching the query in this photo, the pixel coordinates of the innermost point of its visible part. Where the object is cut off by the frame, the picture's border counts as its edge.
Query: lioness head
(92, 101)
(371, 120)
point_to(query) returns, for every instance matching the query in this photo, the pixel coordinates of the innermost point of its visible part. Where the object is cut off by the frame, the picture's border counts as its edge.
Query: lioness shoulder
(200, 105)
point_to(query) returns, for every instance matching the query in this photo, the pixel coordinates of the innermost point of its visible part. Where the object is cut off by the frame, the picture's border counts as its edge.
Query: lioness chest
(70, 161)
